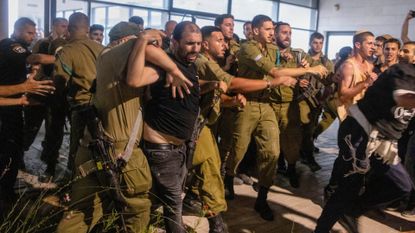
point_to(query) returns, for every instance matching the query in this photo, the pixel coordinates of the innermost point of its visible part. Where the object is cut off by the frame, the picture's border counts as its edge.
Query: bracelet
(268, 84)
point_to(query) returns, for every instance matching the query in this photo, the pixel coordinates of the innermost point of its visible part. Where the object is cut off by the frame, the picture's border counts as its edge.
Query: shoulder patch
(18, 48)
(257, 58)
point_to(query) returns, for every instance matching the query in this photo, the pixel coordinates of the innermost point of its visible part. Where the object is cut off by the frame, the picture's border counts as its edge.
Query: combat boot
(292, 176)
(216, 224)
(229, 192)
(261, 205)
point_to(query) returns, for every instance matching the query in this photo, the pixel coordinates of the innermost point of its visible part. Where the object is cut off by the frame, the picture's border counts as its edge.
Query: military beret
(123, 29)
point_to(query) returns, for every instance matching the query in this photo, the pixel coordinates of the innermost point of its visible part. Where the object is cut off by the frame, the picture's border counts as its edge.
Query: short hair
(392, 40)
(345, 52)
(78, 21)
(95, 27)
(208, 30)
(258, 20)
(361, 36)
(170, 21)
(410, 43)
(316, 35)
(219, 20)
(182, 27)
(279, 24)
(22, 22)
(246, 23)
(381, 39)
(58, 20)
(136, 19)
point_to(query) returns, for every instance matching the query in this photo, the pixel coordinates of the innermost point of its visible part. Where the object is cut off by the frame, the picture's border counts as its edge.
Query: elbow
(133, 82)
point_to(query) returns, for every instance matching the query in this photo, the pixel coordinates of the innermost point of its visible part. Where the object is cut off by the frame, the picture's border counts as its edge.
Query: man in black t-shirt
(169, 121)
(368, 170)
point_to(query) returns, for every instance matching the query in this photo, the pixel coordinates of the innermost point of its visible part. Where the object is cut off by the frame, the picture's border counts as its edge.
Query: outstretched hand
(38, 87)
(178, 82)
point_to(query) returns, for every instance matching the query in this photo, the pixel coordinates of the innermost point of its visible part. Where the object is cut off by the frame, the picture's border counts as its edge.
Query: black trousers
(357, 193)
(168, 168)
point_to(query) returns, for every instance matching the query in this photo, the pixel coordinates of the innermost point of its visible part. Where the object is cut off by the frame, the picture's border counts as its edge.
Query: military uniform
(257, 118)
(287, 110)
(118, 106)
(206, 157)
(76, 64)
(311, 107)
(13, 70)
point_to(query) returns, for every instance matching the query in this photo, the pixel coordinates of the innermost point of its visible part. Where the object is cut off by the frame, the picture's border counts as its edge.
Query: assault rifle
(108, 168)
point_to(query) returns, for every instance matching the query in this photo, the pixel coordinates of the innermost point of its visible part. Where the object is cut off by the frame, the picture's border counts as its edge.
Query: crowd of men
(155, 111)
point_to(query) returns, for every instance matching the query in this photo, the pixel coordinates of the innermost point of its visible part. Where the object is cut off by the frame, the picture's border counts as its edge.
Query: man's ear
(205, 45)
(255, 31)
(358, 45)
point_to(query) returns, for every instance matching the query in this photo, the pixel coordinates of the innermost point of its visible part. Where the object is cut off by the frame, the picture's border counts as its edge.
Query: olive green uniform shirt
(76, 64)
(284, 94)
(256, 64)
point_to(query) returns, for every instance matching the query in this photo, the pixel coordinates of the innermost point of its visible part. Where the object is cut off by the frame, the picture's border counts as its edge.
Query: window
(307, 3)
(180, 17)
(213, 6)
(336, 41)
(65, 8)
(33, 9)
(201, 21)
(300, 39)
(298, 17)
(162, 4)
(247, 9)
(239, 30)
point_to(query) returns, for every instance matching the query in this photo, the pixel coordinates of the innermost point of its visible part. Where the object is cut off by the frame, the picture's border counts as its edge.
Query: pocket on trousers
(136, 178)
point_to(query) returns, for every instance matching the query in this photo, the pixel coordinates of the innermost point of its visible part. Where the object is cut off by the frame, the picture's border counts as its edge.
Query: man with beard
(13, 54)
(285, 104)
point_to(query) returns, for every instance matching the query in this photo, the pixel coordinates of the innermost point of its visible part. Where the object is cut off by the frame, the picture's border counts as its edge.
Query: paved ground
(296, 210)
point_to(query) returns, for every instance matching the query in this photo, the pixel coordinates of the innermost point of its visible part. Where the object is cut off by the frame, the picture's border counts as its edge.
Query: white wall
(377, 16)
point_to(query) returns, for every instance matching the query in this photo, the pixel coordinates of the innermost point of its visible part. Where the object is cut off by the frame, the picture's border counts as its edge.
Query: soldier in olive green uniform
(75, 63)
(285, 104)
(312, 97)
(117, 106)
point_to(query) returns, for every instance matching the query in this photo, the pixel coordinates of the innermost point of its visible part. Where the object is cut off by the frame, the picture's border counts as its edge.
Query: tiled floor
(296, 210)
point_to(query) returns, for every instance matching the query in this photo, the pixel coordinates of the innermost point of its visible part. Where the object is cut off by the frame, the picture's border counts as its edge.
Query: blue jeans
(167, 164)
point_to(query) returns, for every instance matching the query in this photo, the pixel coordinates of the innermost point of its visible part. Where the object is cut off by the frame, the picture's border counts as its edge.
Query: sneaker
(245, 178)
(349, 223)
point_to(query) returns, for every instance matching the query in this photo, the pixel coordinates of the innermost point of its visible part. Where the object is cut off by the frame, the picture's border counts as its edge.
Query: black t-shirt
(12, 62)
(378, 104)
(173, 116)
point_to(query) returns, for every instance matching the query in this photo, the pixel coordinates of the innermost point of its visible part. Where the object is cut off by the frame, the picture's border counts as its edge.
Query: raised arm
(405, 26)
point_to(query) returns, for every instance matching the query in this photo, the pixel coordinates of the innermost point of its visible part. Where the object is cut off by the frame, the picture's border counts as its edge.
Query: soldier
(96, 33)
(75, 64)
(286, 106)
(54, 112)
(257, 61)
(117, 100)
(14, 52)
(319, 92)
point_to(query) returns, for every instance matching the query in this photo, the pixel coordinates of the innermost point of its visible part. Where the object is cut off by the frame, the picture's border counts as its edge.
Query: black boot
(229, 192)
(310, 161)
(292, 176)
(349, 223)
(261, 205)
(216, 224)
(282, 167)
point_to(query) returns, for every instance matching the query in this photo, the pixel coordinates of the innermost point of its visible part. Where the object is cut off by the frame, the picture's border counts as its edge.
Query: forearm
(243, 85)
(136, 64)
(293, 72)
(350, 93)
(41, 59)
(10, 101)
(9, 90)
(227, 101)
(404, 32)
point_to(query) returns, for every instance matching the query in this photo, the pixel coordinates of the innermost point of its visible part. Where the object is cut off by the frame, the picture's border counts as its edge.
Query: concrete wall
(378, 16)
